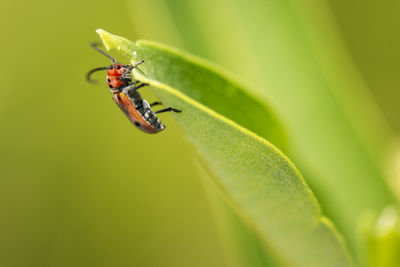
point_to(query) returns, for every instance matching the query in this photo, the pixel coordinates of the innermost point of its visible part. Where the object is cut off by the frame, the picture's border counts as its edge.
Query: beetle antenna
(131, 67)
(137, 64)
(95, 46)
(94, 70)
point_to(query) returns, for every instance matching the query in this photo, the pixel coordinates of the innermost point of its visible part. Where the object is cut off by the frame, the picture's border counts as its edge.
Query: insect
(126, 95)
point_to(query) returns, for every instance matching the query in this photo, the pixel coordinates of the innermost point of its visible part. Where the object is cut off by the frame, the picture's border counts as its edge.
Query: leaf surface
(295, 55)
(223, 123)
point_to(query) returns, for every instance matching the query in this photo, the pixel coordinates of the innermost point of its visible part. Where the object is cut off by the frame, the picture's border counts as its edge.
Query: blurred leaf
(260, 183)
(382, 239)
(374, 45)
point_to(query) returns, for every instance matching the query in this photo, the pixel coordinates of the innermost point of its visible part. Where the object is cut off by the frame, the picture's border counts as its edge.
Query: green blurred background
(79, 185)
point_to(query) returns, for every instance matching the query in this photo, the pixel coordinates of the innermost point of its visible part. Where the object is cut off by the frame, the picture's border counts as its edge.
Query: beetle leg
(130, 91)
(128, 70)
(126, 76)
(167, 110)
(125, 79)
(140, 86)
(155, 103)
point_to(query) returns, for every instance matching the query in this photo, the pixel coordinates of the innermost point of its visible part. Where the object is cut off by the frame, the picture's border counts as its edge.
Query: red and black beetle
(126, 95)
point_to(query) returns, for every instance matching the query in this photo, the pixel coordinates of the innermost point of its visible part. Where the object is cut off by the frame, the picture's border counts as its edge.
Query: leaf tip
(116, 42)
(99, 31)
(104, 36)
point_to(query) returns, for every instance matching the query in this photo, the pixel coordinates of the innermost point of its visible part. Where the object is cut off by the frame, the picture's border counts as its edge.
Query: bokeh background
(80, 186)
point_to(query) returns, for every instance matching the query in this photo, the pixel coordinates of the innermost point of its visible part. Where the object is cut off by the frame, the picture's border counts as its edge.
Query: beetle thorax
(114, 77)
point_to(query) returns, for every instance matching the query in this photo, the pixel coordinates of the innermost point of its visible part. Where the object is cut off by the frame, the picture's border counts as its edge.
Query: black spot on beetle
(109, 80)
(109, 85)
(137, 124)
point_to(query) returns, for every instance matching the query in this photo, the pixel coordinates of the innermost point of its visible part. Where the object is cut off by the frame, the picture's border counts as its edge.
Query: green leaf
(224, 123)
(295, 54)
(242, 247)
(381, 238)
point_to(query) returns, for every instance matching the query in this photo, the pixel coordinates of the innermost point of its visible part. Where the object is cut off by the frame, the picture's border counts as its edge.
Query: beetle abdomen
(149, 116)
(141, 116)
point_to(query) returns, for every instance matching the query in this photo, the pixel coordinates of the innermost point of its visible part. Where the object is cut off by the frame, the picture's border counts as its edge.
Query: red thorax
(113, 77)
